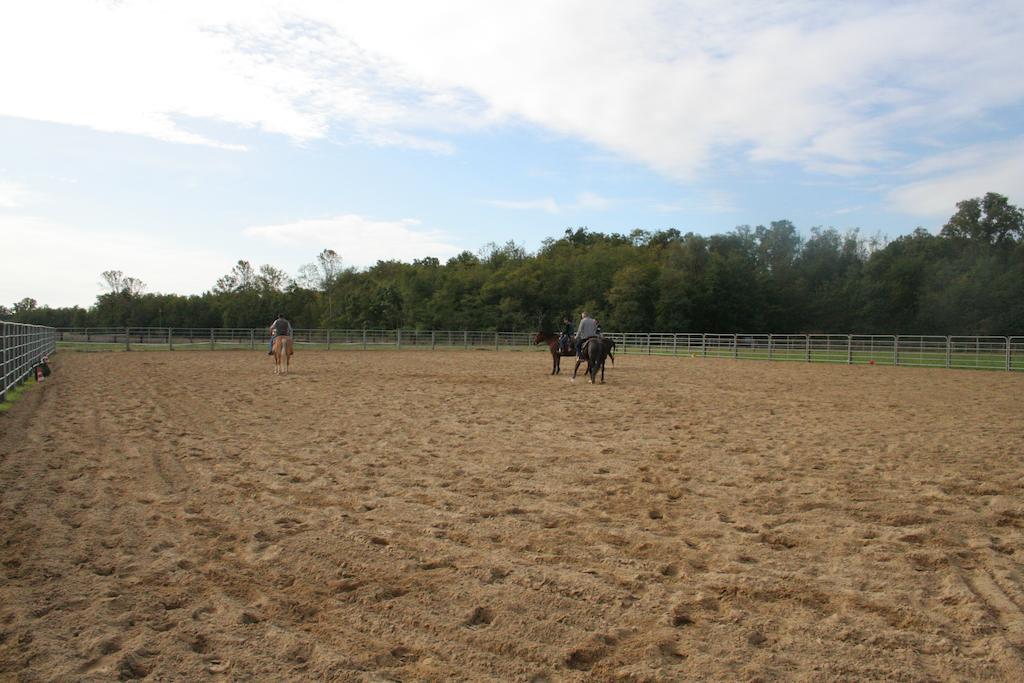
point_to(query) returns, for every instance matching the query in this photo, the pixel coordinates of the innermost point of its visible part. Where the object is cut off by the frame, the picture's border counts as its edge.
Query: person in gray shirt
(587, 329)
(281, 326)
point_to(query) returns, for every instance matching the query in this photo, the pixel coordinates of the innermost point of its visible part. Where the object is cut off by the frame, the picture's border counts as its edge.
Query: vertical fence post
(328, 340)
(127, 340)
(849, 349)
(211, 339)
(896, 351)
(807, 348)
(465, 339)
(433, 340)
(364, 339)
(3, 362)
(398, 338)
(648, 343)
(495, 340)
(170, 339)
(769, 347)
(949, 351)
(703, 345)
(1009, 360)
(735, 346)
(675, 352)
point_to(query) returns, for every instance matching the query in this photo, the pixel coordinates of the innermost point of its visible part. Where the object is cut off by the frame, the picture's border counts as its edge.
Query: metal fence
(989, 353)
(181, 338)
(22, 347)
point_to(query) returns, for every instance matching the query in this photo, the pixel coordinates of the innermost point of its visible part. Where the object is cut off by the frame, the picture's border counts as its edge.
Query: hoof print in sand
(680, 617)
(134, 666)
(669, 652)
(199, 644)
(669, 570)
(584, 658)
(481, 616)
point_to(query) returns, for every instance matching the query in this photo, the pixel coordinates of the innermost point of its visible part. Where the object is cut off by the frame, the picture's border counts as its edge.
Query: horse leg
(593, 361)
(576, 369)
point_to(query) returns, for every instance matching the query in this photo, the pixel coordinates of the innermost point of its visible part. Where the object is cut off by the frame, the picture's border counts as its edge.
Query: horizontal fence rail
(986, 353)
(22, 347)
(142, 338)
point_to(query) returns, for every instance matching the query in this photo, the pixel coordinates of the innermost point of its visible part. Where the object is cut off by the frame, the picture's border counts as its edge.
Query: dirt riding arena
(426, 515)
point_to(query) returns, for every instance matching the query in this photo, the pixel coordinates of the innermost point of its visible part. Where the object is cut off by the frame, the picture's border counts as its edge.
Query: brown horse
(283, 351)
(556, 353)
(595, 350)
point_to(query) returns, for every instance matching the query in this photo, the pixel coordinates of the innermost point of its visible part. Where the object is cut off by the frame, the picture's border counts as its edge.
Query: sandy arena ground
(463, 516)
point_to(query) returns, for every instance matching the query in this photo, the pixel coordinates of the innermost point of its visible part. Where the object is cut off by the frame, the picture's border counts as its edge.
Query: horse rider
(279, 327)
(566, 336)
(588, 329)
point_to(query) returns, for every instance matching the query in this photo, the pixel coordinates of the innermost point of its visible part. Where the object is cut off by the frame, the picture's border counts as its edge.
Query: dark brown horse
(556, 353)
(595, 350)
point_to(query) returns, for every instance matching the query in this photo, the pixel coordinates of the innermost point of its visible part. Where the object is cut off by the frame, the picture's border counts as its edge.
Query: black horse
(595, 351)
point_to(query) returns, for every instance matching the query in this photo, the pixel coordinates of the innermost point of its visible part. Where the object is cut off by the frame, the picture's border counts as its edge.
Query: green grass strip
(14, 393)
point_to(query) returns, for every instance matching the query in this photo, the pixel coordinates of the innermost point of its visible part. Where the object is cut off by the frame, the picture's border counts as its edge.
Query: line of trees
(968, 280)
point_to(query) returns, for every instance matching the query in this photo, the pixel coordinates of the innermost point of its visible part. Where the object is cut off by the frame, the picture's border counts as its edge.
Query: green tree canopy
(968, 279)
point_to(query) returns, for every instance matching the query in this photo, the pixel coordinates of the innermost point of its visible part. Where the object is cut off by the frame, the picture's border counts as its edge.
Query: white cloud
(589, 201)
(362, 241)
(962, 174)
(73, 259)
(835, 87)
(14, 195)
(671, 84)
(151, 68)
(708, 201)
(593, 201)
(546, 204)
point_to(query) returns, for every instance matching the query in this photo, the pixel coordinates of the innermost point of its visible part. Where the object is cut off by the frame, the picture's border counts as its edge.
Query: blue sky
(169, 140)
